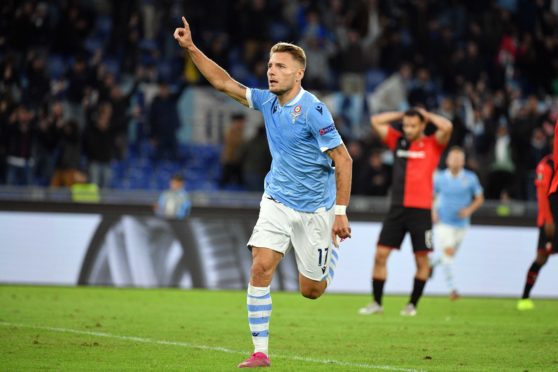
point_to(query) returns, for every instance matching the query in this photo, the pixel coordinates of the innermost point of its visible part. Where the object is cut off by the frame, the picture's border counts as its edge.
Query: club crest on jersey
(296, 113)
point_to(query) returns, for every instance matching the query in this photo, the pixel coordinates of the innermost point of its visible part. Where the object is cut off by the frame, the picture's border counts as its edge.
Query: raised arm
(380, 122)
(343, 175)
(444, 126)
(217, 76)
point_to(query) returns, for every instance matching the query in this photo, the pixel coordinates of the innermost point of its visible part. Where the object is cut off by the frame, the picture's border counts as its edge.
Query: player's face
(455, 160)
(176, 185)
(283, 73)
(413, 127)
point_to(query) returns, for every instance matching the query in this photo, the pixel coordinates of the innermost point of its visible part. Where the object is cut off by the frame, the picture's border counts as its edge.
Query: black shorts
(545, 243)
(399, 221)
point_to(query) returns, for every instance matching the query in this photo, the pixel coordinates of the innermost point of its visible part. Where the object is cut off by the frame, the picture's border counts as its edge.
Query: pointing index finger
(184, 21)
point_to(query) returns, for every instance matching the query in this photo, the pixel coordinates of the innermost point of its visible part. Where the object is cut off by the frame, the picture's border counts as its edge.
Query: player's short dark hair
(178, 177)
(414, 112)
(294, 50)
(238, 116)
(456, 148)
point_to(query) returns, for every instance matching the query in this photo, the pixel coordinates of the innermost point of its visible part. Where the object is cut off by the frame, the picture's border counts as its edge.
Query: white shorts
(446, 236)
(279, 228)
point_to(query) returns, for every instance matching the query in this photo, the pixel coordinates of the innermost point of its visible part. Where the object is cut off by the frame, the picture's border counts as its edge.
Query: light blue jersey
(299, 133)
(454, 194)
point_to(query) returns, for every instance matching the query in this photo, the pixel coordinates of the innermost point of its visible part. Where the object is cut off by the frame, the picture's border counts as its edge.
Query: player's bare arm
(471, 208)
(444, 126)
(217, 76)
(343, 175)
(380, 122)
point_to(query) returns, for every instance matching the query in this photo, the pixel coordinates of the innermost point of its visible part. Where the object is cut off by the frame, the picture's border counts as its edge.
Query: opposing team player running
(547, 202)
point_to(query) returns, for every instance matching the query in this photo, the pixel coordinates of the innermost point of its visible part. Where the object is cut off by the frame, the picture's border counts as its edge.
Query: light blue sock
(447, 265)
(331, 265)
(259, 311)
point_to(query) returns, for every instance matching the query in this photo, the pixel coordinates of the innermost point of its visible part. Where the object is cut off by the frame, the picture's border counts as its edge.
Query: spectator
(231, 155)
(391, 94)
(20, 142)
(256, 161)
(84, 191)
(375, 179)
(164, 121)
(77, 84)
(99, 146)
(46, 142)
(68, 155)
(502, 168)
(352, 60)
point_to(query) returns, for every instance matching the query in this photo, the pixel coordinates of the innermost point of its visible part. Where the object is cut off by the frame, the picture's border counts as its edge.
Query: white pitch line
(205, 347)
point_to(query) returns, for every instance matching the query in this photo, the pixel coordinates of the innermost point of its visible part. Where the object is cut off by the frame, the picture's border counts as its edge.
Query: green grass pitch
(91, 328)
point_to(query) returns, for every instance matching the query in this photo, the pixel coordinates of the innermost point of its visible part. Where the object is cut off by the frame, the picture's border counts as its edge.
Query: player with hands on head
(416, 157)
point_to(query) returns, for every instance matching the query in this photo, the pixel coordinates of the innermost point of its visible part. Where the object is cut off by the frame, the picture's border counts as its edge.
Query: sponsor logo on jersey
(327, 129)
(411, 154)
(320, 109)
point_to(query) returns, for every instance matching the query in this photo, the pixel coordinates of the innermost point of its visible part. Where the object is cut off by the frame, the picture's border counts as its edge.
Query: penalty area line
(189, 345)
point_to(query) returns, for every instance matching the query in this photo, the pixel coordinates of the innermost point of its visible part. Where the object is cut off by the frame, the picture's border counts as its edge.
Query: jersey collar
(295, 100)
(459, 175)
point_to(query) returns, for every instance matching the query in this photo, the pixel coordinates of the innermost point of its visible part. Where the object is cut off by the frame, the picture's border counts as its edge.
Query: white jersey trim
(295, 100)
(249, 98)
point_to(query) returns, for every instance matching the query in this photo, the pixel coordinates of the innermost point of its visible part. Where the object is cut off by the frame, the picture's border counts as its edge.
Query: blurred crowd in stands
(86, 84)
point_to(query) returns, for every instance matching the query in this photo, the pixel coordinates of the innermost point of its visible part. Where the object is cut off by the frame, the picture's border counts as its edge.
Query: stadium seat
(374, 78)
(56, 66)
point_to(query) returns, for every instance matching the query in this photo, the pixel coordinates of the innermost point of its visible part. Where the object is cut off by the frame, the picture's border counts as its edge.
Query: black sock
(378, 290)
(531, 279)
(418, 287)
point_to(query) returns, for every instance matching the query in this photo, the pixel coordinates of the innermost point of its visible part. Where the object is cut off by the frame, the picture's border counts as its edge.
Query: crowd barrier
(125, 245)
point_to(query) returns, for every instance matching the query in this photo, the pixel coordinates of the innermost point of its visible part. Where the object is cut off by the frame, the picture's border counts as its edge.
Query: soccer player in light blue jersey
(305, 197)
(458, 195)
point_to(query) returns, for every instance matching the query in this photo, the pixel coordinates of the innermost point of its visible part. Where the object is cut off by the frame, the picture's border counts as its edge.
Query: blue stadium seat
(103, 26)
(92, 44)
(374, 78)
(56, 66)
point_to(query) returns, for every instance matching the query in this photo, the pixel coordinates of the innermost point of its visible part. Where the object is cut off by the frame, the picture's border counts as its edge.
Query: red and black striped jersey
(545, 171)
(414, 164)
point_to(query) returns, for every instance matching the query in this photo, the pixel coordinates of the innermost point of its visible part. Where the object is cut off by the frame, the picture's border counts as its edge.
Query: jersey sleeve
(476, 187)
(322, 127)
(391, 138)
(256, 97)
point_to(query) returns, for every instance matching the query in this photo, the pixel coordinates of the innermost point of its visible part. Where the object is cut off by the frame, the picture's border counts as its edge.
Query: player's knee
(380, 259)
(312, 293)
(541, 258)
(261, 272)
(312, 290)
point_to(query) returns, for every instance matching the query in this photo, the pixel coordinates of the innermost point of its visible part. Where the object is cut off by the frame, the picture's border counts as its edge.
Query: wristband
(340, 210)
